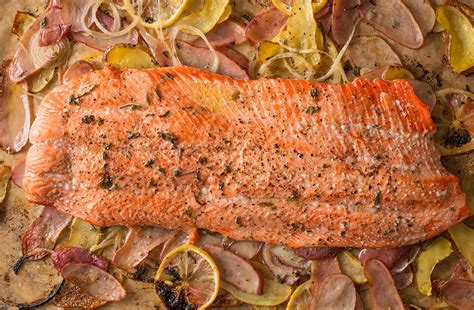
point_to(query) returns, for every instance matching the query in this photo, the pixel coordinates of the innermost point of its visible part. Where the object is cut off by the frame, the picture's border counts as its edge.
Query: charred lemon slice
(301, 298)
(454, 119)
(187, 276)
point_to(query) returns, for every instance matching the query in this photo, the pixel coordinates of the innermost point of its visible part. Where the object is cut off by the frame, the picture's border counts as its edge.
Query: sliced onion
(103, 44)
(40, 237)
(15, 115)
(336, 292)
(382, 291)
(48, 56)
(288, 257)
(68, 255)
(93, 281)
(52, 34)
(406, 260)
(18, 171)
(246, 249)
(285, 274)
(227, 33)
(403, 279)
(236, 271)
(236, 57)
(138, 243)
(316, 253)
(265, 25)
(344, 15)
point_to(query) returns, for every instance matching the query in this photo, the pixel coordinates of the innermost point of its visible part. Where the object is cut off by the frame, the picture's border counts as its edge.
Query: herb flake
(313, 109)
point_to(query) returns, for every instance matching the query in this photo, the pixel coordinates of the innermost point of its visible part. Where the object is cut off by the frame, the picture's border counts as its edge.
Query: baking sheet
(36, 279)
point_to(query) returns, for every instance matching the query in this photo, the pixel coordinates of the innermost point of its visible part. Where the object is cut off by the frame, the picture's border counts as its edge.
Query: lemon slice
(155, 14)
(454, 119)
(301, 298)
(190, 275)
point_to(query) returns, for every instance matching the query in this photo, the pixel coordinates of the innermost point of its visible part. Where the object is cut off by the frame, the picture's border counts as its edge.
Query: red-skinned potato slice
(389, 257)
(403, 279)
(103, 44)
(236, 57)
(394, 20)
(282, 272)
(42, 234)
(236, 271)
(265, 25)
(178, 238)
(380, 52)
(68, 255)
(227, 33)
(138, 243)
(201, 58)
(321, 269)
(18, 171)
(336, 292)
(244, 249)
(459, 294)
(317, 253)
(344, 15)
(93, 281)
(77, 69)
(15, 115)
(288, 257)
(382, 291)
(423, 13)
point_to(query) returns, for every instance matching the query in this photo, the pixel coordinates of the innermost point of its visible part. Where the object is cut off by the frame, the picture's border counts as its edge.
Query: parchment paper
(36, 279)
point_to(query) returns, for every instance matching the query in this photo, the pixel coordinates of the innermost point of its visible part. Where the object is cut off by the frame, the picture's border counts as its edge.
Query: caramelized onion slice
(18, 171)
(236, 271)
(138, 243)
(394, 20)
(336, 292)
(42, 234)
(382, 291)
(93, 281)
(64, 256)
(288, 257)
(459, 294)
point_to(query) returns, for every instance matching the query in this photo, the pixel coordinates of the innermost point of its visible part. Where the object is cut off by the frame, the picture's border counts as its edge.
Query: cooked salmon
(288, 162)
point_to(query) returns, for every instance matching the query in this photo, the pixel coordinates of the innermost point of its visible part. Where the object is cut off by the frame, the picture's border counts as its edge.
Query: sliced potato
(226, 14)
(83, 235)
(129, 56)
(461, 31)
(351, 266)
(38, 81)
(5, 172)
(273, 294)
(22, 22)
(266, 50)
(463, 237)
(205, 19)
(438, 250)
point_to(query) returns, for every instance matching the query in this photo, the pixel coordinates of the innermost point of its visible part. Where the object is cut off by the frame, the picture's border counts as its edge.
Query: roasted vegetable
(301, 297)
(155, 14)
(438, 250)
(382, 291)
(122, 56)
(206, 18)
(351, 266)
(83, 234)
(5, 172)
(463, 237)
(22, 22)
(461, 32)
(38, 81)
(336, 292)
(381, 54)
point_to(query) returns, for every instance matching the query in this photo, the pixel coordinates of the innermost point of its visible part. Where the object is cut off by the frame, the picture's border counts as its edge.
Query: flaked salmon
(281, 161)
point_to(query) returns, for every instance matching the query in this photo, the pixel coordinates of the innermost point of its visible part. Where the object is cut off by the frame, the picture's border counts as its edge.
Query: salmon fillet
(288, 162)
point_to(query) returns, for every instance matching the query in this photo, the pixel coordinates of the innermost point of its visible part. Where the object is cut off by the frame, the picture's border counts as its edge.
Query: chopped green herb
(376, 126)
(221, 185)
(270, 205)
(227, 169)
(87, 119)
(107, 182)
(43, 22)
(157, 94)
(313, 109)
(325, 166)
(108, 146)
(132, 106)
(176, 172)
(294, 195)
(166, 114)
(314, 93)
(104, 156)
(127, 154)
(202, 160)
(100, 120)
(235, 95)
(76, 100)
(162, 170)
(189, 212)
(238, 220)
(377, 198)
(133, 135)
(168, 137)
(169, 75)
(149, 163)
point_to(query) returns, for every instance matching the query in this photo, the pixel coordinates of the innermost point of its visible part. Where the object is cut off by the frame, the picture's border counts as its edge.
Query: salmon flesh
(288, 162)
